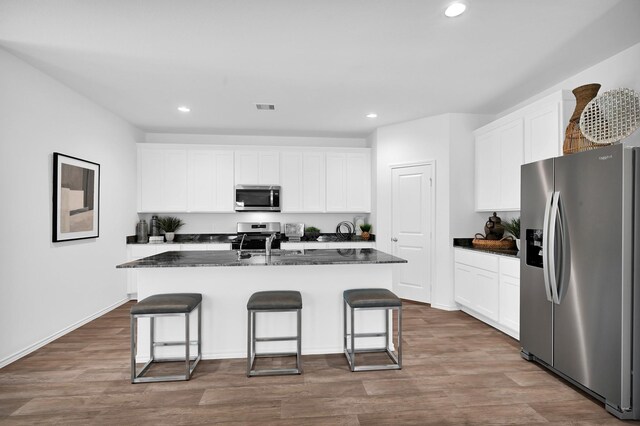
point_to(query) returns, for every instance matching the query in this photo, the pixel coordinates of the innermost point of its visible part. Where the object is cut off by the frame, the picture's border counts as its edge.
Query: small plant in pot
(512, 226)
(170, 224)
(312, 233)
(365, 228)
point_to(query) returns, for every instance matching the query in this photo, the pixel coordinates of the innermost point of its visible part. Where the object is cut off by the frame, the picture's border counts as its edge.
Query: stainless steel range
(254, 235)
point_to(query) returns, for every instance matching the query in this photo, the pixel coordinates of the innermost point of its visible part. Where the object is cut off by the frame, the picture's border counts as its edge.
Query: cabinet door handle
(394, 239)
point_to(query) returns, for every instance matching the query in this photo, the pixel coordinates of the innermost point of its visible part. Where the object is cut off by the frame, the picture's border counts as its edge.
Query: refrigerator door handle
(545, 246)
(553, 221)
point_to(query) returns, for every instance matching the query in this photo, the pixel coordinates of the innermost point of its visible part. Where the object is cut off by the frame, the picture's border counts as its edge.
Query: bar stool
(165, 305)
(372, 299)
(273, 301)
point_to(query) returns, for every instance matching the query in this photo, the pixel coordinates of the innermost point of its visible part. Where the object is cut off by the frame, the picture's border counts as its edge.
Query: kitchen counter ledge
(465, 243)
(173, 259)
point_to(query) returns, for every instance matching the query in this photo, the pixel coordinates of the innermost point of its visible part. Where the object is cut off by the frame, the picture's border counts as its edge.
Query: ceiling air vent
(266, 107)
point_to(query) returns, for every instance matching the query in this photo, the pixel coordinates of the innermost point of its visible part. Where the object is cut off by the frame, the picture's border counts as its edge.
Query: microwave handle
(271, 197)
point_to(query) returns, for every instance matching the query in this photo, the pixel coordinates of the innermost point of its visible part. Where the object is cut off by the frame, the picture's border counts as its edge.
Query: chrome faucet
(267, 244)
(241, 242)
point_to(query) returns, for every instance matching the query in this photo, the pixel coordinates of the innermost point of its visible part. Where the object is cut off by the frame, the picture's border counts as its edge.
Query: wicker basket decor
(574, 140)
(505, 244)
(611, 117)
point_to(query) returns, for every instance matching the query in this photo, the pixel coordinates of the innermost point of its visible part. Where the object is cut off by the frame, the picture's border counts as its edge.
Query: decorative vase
(169, 236)
(518, 243)
(574, 140)
(365, 235)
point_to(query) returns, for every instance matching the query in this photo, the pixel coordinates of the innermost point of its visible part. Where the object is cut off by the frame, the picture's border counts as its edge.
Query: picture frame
(76, 198)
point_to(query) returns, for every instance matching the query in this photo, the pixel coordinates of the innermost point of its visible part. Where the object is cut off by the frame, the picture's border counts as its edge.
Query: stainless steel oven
(257, 198)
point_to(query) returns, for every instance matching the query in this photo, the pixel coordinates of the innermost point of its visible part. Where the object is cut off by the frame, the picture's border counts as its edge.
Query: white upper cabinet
(303, 181)
(202, 178)
(257, 167)
(534, 132)
(348, 177)
(499, 155)
(291, 180)
(162, 179)
(544, 123)
(210, 181)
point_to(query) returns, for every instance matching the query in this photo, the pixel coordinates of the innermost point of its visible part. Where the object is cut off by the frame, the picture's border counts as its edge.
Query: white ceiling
(324, 63)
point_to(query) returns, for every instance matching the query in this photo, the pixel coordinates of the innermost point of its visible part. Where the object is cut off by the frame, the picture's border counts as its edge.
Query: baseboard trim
(445, 307)
(26, 351)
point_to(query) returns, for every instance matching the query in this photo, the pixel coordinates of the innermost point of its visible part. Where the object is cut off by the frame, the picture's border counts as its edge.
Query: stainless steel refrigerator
(579, 293)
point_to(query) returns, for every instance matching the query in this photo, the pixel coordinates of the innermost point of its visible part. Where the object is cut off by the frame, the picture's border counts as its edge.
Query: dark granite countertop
(173, 259)
(465, 243)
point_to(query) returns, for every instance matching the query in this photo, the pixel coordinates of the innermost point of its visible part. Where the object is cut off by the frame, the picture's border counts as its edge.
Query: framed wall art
(76, 198)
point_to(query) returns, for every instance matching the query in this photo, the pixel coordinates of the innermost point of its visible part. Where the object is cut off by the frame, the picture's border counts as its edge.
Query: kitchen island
(226, 282)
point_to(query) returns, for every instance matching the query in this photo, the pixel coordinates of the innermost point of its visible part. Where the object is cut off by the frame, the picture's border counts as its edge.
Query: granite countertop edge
(191, 259)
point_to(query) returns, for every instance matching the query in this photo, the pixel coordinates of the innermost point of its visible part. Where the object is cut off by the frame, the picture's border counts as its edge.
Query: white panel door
(336, 182)
(412, 228)
(313, 182)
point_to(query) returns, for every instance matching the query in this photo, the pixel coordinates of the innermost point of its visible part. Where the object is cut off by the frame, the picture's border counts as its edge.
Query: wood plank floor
(456, 370)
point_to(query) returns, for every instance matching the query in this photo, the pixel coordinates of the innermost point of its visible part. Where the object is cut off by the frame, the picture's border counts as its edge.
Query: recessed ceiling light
(455, 9)
(184, 109)
(372, 115)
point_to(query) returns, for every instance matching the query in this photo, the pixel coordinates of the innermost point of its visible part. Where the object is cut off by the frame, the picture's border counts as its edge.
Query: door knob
(394, 239)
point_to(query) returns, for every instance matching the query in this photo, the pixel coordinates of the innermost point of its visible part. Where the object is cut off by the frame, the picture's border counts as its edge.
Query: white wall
(620, 70)
(255, 140)
(223, 223)
(47, 288)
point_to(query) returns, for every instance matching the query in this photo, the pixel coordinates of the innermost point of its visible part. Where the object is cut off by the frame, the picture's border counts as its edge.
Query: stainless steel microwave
(257, 198)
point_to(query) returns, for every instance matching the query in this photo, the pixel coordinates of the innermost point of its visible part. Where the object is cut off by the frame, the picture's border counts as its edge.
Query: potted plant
(312, 233)
(365, 228)
(170, 224)
(512, 226)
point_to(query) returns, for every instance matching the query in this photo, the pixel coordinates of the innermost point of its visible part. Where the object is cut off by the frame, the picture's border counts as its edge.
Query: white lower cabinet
(487, 286)
(510, 293)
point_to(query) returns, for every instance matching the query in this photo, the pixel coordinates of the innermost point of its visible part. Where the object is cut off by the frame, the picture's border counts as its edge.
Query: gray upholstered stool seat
(165, 305)
(372, 299)
(174, 303)
(273, 301)
(266, 300)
